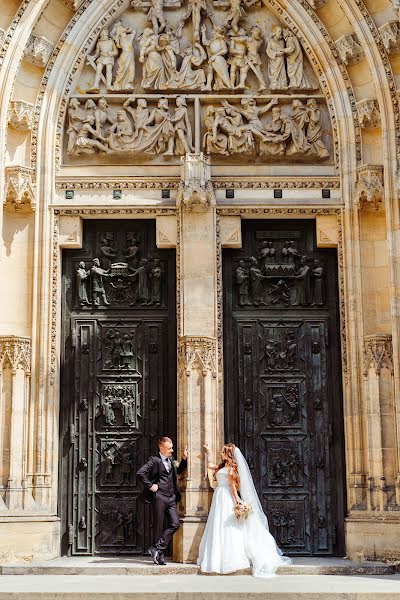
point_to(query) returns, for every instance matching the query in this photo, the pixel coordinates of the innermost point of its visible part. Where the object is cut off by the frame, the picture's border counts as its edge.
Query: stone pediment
(170, 78)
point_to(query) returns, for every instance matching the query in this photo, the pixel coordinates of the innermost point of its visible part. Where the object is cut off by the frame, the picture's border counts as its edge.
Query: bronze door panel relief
(118, 382)
(282, 382)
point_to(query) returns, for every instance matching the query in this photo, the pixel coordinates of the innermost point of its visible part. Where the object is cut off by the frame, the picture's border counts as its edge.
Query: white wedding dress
(229, 544)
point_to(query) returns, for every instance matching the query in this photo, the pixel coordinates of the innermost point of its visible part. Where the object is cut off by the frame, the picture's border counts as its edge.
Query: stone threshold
(142, 566)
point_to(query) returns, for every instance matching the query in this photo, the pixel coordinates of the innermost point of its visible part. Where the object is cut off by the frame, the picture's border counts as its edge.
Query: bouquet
(242, 510)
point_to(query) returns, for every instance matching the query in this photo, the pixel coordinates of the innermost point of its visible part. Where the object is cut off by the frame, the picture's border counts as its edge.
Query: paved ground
(197, 587)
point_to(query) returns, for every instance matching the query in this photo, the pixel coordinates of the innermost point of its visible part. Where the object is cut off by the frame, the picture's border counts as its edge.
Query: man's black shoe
(160, 558)
(154, 554)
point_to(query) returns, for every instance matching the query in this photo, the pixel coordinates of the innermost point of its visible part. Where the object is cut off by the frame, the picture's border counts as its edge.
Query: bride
(229, 544)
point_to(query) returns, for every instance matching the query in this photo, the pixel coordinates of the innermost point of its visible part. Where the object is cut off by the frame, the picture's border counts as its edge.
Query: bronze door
(283, 401)
(118, 382)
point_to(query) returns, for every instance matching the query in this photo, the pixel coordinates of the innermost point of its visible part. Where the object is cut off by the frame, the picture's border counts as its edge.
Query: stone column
(14, 378)
(197, 345)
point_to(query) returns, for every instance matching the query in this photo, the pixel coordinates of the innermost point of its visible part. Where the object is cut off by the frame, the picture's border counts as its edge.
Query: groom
(160, 489)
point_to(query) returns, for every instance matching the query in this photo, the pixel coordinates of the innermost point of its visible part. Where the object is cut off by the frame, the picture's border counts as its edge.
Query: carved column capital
(390, 33)
(378, 353)
(369, 116)
(17, 351)
(195, 352)
(396, 7)
(195, 191)
(19, 192)
(38, 51)
(20, 115)
(369, 188)
(350, 49)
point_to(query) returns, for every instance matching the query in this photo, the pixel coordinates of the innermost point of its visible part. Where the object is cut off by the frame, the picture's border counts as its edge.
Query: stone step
(97, 566)
(195, 587)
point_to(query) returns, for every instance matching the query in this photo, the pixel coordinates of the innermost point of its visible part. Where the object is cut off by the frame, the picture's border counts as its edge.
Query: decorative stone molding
(396, 7)
(349, 49)
(2, 36)
(368, 113)
(19, 192)
(16, 351)
(378, 353)
(390, 33)
(20, 115)
(316, 4)
(195, 352)
(38, 51)
(72, 4)
(111, 184)
(261, 183)
(195, 190)
(369, 187)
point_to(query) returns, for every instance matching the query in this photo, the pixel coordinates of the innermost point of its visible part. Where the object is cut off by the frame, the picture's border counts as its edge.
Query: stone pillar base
(187, 539)
(25, 539)
(373, 538)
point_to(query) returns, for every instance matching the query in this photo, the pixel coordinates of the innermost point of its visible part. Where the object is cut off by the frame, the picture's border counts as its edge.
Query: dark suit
(163, 502)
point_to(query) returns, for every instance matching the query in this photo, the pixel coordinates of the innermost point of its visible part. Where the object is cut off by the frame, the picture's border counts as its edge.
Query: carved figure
(276, 409)
(103, 58)
(214, 141)
(276, 134)
(108, 412)
(271, 350)
(237, 58)
(90, 107)
(297, 123)
(263, 253)
(127, 354)
(109, 465)
(302, 284)
(292, 253)
(121, 132)
(314, 129)
(128, 410)
(125, 468)
(253, 59)
(294, 62)
(256, 281)
(291, 350)
(132, 251)
(236, 12)
(101, 115)
(76, 115)
(183, 131)
(217, 49)
(156, 16)
(98, 291)
(159, 60)
(229, 121)
(143, 288)
(82, 278)
(125, 75)
(188, 78)
(156, 274)
(318, 283)
(293, 465)
(194, 9)
(87, 139)
(280, 293)
(117, 350)
(276, 64)
(285, 253)
(107, 249)
(293, 402)
(242, 282)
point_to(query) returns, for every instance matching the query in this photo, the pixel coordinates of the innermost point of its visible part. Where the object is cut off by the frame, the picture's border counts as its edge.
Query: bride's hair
(231, 463)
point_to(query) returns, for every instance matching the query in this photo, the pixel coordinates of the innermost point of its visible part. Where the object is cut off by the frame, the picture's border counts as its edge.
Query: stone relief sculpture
(125, 75)
(232, 129)
(192, 47)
